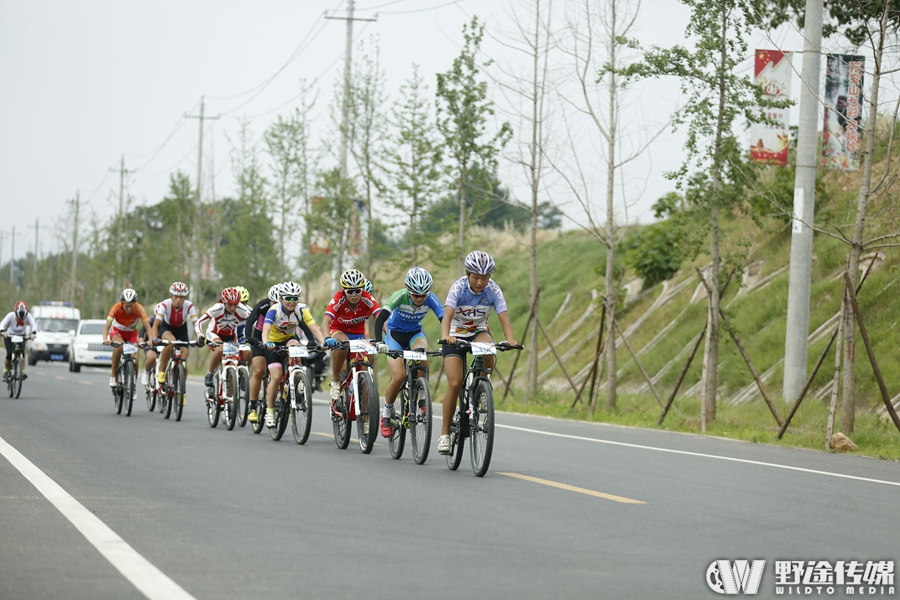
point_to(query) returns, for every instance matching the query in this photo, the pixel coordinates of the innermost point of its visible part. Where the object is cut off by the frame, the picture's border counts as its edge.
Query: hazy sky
(83, 83)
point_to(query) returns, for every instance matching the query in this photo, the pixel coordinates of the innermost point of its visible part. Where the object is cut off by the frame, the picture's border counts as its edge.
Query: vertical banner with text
(843, 112)
(769, 140)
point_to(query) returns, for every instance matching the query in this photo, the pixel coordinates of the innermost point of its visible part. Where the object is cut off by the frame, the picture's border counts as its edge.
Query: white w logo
(726, 578)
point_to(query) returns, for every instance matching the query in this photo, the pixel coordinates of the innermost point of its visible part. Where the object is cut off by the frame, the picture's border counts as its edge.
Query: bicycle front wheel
(482, 443)
(151, 394)
(243, 395)
(232, 399)
(261, 406)
(166, 400)
(178, 388)
(118, 394)
(458, 428)
(421, 420)
(301, 410)
(340, 420)
(282, 410)
(367, 421)
(398, 422)
(18, 368)
(128, 387)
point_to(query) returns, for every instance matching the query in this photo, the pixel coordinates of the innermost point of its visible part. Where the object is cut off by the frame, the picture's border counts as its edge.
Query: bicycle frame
(356, 358)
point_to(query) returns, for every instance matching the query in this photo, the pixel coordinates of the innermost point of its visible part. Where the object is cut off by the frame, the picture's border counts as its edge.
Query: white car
(87, 346)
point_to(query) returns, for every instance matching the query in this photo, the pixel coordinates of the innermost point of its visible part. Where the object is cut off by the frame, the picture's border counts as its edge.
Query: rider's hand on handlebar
(156, 341)
(331, 342)
(201, 340)
(382, 348)
(270, 346)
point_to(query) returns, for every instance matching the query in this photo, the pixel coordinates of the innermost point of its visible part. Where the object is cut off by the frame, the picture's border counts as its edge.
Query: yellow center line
(82, 381)
(61, 378)
(572, 488)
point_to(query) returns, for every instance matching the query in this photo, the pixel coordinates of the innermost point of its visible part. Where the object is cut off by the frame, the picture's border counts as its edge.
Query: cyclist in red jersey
(345, 319)
(224, 317)
(122, 323)
(172, 316)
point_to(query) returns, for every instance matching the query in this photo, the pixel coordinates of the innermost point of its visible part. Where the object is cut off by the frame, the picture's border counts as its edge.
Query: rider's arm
(7, 321)
(507, 327)
(380, 320)
(267, 327)
(198, 325)
(109, 321)
(326, 324)
(445, 322)
(436, 307)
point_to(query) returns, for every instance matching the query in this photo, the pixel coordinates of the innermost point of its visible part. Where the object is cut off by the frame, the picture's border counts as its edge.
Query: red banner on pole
(769, 140)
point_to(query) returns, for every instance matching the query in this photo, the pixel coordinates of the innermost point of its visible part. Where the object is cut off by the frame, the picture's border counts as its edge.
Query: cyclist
(172, 316)
(401, 318)
(15, 323)
(225, 316)
(316, 357)
(253, 332)
(239, 332)
(122, 323)
(149, 354)
(467, 307)
(280, 329)
(345, 319)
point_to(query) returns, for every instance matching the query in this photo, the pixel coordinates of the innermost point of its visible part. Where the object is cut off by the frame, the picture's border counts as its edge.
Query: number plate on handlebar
(16, 339)
(483, 348)
(297, 352)
(244, 347)
(414, 355)
(129, 349)
(229, 349)
(362, 346)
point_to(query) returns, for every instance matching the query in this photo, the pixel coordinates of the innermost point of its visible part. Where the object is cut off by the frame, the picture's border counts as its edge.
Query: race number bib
(483, 348)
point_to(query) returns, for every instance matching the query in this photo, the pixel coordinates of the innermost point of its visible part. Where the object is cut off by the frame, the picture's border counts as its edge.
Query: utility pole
(197, 256)
(34, 258)
(120, 228)
(73, 276)
(345, 111)
(797, 332)
(12, 258)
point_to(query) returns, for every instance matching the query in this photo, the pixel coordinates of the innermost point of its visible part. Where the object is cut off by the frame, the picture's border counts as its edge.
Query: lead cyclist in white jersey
(466, 311)
(15, 323)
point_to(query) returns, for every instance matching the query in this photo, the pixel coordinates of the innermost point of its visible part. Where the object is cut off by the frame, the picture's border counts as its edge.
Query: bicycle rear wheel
(232, 398)
(128, 387)
(167, 394)
(340, 420)
(367, 420)
(301, 411)
(421, 421)
(151, 393)
(118, 394)
(261, 405)
(482, 442)
(11, 377)
(178, 388)
(243, 395)
(212, 404)
(397, 441)
(457, 438)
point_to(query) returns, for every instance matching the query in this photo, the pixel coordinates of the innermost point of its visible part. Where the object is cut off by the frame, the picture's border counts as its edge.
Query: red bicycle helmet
(231, 296)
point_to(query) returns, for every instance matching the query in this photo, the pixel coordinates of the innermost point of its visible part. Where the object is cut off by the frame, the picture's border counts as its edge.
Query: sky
(86, 83)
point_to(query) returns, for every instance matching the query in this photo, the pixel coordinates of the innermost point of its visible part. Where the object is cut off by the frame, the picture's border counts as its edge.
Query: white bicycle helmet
(273, 293)
(479, 262)
(418, 281)
(128, 295)
(352, 278)
(289, 288)
(178, 289)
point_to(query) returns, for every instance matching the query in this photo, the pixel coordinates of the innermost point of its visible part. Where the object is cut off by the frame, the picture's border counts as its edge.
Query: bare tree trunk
(462, 219)
(848, 404)
(611, 292)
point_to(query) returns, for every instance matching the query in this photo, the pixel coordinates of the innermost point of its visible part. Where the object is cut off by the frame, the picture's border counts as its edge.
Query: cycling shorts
(180, 333)
(350, 336)
(9, 347)
(460, 352)
(129, 336)
(230, 337)
(402, 340)
(275, 359)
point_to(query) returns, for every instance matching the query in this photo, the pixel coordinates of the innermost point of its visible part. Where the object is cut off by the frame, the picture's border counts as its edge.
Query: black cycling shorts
(180, 333)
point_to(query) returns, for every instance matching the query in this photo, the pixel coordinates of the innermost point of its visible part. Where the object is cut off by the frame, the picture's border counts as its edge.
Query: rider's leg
(165, 356)
(215, 359)
(116, 355)
(338, 360)
(272, 392)
(453, 369)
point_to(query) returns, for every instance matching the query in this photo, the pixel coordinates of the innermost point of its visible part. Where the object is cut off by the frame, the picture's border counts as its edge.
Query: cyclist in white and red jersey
(345, 319)
(466, 311)
(224, 318)
(14, 324)
(172, 316)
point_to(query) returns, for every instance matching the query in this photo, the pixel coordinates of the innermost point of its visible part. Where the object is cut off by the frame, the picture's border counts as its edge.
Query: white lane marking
(700, 454)
(149, 580)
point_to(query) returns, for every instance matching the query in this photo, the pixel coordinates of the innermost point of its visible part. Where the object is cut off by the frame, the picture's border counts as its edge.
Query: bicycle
(294, 401)
(415, 410)
(358, 400)
(243, 385)
(15, 375)
(124, 392)
(176, 375)
(227, 394)
(152, 390)
(476, 402)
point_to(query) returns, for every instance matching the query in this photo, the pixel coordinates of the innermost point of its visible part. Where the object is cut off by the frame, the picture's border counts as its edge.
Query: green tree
(463, 111)
(335, 214)
(656, 251)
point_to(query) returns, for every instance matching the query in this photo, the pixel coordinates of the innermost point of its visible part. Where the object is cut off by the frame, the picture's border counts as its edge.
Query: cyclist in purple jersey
(466, 311)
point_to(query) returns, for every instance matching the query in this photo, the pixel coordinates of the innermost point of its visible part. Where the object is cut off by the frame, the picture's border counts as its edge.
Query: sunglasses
(353, 292)
(290, 298)
(411, 295)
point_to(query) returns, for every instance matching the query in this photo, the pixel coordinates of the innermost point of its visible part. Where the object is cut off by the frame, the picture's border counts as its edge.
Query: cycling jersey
(174, 317)
(284, 324)
(222, 322)
(349, 319)
(126, 322)
(471, 310)
(14, 326)
(254, 324)
(401, 314)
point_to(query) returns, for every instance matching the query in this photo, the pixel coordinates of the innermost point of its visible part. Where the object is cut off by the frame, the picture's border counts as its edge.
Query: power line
(380, 5)
(417, 10)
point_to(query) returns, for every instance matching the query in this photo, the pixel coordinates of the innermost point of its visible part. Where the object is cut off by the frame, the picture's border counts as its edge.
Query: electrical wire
(380, 5)
(417, 10)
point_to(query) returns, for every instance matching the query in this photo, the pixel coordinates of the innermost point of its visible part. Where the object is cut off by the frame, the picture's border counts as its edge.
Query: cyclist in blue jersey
(403, 316)
(466, 311)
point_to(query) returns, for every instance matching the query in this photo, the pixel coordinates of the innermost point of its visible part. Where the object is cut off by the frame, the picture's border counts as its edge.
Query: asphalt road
(229, 514)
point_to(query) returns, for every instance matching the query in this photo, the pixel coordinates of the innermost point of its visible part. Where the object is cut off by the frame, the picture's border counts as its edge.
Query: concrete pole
(797, 333)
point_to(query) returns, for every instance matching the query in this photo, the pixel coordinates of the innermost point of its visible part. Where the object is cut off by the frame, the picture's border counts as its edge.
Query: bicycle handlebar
(141, 345)
(399, 353)
(501, 346)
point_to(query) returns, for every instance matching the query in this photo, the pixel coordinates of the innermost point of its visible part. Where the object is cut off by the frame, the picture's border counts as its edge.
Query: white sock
(387, 410)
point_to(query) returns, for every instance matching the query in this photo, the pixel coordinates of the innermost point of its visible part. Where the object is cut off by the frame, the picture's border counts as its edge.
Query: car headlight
(82, 345)
(40, 346)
